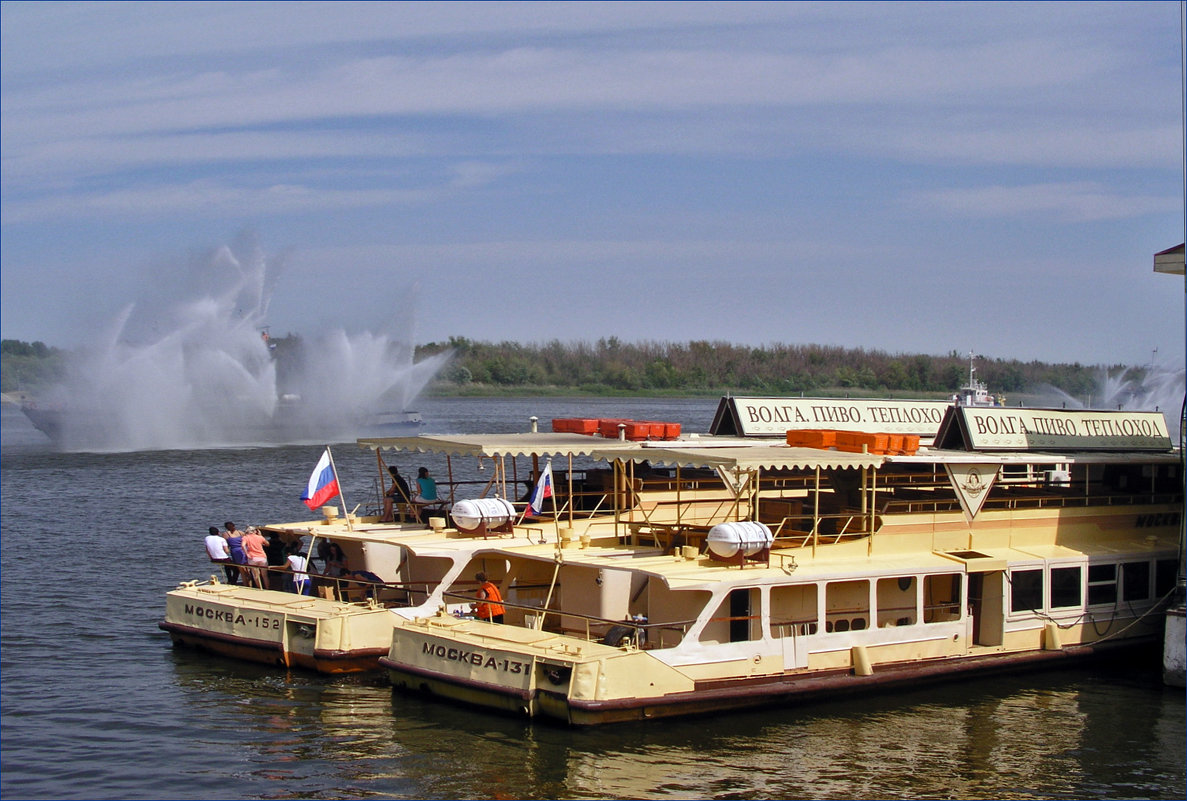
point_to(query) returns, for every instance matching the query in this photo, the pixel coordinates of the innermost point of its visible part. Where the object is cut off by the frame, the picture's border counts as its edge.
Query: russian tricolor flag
(541, 493)
(323, 483)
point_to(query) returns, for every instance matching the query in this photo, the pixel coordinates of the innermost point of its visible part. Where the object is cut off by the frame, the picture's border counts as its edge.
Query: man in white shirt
(218, 551)
(298, 564)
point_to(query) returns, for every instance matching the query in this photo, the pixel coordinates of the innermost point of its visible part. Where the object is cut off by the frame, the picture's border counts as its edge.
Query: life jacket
(492, 606)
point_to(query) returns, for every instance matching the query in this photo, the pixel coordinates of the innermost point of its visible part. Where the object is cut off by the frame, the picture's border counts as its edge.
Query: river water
(96, 704)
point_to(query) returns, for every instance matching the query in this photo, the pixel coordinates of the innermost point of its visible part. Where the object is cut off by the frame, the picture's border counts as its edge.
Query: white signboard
(1052, 429)
(774, 417)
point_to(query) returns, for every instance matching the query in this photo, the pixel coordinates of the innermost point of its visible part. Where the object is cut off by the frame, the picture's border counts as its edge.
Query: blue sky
(904, 177)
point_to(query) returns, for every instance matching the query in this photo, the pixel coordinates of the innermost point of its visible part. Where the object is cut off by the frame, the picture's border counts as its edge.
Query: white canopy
(764, 457)
(495, 445)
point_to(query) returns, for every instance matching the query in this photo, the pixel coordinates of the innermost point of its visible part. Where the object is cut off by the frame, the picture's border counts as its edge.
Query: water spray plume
(202, 371)
(1154, 388)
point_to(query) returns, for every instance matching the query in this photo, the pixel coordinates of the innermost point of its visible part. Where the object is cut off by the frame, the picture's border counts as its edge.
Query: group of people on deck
(250, 559)
(400, 492)
(253, 561)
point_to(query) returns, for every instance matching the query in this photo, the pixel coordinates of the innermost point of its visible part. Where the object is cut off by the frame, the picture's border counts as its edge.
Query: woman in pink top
(253, 546)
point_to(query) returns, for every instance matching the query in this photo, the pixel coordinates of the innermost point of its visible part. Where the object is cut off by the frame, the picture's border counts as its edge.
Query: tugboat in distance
(974, 392)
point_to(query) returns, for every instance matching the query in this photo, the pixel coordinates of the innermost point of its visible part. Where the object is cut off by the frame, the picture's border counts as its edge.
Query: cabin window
(1166, 574)
(794, 611)
(847, 605)
(941, 597)
(897, 598)
(1026, 590)
(1135, 581)
(1102, 584)
(737, 618)
(1065, 587)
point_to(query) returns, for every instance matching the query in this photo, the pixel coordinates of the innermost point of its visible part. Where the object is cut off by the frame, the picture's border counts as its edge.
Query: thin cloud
(787, 153)
(1076, 202)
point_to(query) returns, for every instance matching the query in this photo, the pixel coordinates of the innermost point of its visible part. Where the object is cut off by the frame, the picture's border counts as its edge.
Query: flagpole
(341, 496)
(556, 523)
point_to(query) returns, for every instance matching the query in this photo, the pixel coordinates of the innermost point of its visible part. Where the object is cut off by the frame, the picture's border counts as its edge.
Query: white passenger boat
(345, 622)
(719, 573)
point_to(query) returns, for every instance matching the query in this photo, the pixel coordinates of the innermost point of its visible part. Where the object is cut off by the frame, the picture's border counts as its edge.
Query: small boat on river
(704, 573)
(398, 569)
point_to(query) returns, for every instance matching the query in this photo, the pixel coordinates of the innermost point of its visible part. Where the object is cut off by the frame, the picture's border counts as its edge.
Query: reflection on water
(1100, 733)
(95, 703)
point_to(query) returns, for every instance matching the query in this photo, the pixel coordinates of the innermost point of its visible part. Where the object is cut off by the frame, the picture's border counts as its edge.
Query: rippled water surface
(96, 704)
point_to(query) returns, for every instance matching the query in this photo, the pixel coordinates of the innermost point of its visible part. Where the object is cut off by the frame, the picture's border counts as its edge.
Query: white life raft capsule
(472, 514)
(744, 537)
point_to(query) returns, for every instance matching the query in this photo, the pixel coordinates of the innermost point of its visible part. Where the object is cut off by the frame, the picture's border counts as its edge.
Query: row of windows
(1108, 584)
(803, 609)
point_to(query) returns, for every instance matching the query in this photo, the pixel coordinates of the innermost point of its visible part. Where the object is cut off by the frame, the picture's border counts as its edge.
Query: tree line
(30, 365)
(610, 366)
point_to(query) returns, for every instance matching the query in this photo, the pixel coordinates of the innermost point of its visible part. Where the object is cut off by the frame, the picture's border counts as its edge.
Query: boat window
(1135, 581)
(1166, 572)
(897, 598)
(1026, 590)
(1065, 587)
(736, 619)
(846, 605)
(1102, 584)
(941, 597)
(794, 610)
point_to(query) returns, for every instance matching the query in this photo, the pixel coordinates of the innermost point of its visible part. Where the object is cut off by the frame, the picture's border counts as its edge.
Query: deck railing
(592, 628)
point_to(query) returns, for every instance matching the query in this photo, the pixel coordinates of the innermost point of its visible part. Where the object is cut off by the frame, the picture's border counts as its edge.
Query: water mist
(201, 371)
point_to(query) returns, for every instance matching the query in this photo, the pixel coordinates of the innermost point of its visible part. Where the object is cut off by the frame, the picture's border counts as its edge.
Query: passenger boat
(345, 623)
(719, 573)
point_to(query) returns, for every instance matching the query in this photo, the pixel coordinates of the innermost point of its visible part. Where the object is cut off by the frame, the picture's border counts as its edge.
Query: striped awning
(741, 459)
(496, 445)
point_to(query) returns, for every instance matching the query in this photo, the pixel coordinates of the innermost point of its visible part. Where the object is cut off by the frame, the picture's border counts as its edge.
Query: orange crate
(859, 441)
(577, 425)
(608, 426)
(812, 438)
(655, 430)
(637, 431)
(671, 431)
(910, 444)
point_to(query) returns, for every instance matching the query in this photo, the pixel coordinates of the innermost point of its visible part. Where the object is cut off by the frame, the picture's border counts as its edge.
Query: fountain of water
(212, 377)
(1156, 388)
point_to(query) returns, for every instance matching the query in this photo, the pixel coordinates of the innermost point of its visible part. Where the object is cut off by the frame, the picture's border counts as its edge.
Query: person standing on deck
(274, 552)
(253, 546)
(298, 564)
(490, 601)
(218, 551)
(238, 555)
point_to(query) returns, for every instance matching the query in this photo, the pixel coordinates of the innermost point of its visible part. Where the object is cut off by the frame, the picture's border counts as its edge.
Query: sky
(902, 177)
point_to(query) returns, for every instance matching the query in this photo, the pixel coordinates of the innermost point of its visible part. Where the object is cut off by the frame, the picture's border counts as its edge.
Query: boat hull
(277, 628)
(741, 694)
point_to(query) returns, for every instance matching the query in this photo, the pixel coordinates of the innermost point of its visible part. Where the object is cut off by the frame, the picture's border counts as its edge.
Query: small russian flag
(323, 483)
(541, 493)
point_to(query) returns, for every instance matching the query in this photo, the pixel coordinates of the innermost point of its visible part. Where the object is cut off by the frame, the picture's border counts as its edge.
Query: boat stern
(277, 627)
(526, 671)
